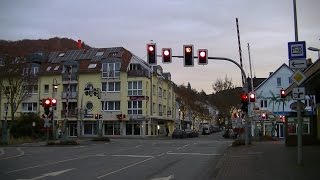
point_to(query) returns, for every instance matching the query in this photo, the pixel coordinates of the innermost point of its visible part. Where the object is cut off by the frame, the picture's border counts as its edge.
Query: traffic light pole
(245, 88)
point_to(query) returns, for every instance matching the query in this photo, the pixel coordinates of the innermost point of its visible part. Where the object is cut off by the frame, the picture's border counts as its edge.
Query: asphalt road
(121, 159)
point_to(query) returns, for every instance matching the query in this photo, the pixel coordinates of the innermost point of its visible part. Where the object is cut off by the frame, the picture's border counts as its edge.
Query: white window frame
(279, 81)
(105, 86)
(110, 105)
(32, 105)
(111, 70)
(135, 88)
(135, 108)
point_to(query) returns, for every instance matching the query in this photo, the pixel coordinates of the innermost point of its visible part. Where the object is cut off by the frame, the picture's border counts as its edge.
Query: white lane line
(126, 167)
(56, 162)
(57, 173)
(1, 151)
(160, 154)
(164, 178)
(197, 154)
(137, 156)
(21, 154)
(183, 146)
(195, 143)
(78, 147)
(138, 146)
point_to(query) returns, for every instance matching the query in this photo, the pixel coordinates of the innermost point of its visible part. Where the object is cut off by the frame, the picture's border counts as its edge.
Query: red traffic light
(152, 53)
(202, 56)
(53, 102)
(282, 93)
(47, 102)
(244, 97)
(166, 55)
(188, 55)
(252, 97)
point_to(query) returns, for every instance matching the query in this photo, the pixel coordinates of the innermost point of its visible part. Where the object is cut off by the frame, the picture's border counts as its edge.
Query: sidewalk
(268, 160)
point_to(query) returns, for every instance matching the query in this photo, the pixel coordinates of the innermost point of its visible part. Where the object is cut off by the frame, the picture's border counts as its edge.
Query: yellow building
(107, 90)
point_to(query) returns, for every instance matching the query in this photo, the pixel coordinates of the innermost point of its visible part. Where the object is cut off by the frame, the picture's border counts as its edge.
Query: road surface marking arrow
(57, 173)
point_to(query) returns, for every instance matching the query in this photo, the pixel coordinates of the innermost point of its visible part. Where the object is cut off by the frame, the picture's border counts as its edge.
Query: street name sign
(297, 50)
(298, 64)
(298, 77)
(299, 93)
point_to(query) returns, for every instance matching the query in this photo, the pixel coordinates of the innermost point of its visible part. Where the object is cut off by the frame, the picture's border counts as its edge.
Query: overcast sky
(211, 24)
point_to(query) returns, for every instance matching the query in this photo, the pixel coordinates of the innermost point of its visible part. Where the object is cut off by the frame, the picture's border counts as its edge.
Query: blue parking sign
(297, 50)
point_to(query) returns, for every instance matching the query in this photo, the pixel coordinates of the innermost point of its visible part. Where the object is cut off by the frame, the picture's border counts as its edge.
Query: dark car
(179, 133)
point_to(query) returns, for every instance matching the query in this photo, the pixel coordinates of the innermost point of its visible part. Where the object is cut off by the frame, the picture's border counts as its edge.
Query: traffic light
(96, 116)
(188, 55)
(100, 116)
(166, 55)
(252, 97)
(202, 56)
(244, 101)
(152, 53)
(53, 102)
(264, 116)
(282, 94)
(46, 106)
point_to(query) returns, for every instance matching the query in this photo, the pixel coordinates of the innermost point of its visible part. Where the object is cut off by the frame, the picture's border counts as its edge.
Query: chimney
(79, 44)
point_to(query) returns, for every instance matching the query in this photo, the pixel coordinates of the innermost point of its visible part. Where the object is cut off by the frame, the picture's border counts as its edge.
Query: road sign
(298, 64)
(298, 77)
(299, 93)
(297, 50)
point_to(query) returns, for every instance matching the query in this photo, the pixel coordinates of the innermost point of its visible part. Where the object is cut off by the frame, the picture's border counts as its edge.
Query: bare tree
(18, 80)
(221, 85)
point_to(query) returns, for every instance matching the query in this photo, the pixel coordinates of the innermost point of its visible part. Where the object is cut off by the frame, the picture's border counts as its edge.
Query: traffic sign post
(297, 50)
(298, 64)
(299, 93)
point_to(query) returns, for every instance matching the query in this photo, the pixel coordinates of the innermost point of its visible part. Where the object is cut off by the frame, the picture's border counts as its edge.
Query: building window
(112, 128)
(160, 110)
(164, 110)
(135, 107)
(154, 107)
(111, 86)
(110, 105)
(154, 89)
(160, 92)
(46, 89)
(290, 80)
(111, 70)
(279, 81)
(90, 128)
(29, 107)
(263, 103)
(293, 126)
(165, 94)
(135, 88)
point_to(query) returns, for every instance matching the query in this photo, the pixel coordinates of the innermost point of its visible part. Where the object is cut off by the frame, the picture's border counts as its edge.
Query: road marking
(107, 143)
(138, 156)
(138, 146)
(161, 154)
(56, 162)
(164, 178)
(49, 174)
(101, 155)
(195, 143)
(1, 151)
(126, 167)
(77, 147)
(21, 154)
(183, 146)
(197, 154)
(246, 154)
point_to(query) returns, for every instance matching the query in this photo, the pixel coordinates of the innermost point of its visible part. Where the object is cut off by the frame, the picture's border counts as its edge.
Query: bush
(22, 127)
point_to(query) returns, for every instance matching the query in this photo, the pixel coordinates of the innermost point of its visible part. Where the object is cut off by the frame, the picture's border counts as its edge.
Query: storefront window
(90, 128)
(293, 126)
(112, 128)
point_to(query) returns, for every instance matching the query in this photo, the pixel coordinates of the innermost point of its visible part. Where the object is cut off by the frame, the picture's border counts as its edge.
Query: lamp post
(54, 89)
(315, 49)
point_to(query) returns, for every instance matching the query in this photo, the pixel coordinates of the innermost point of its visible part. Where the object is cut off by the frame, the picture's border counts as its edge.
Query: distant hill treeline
(27, 47)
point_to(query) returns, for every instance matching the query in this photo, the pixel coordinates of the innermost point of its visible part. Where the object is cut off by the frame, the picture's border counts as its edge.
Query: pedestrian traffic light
(166, 55)
(244, 101)
(252, 97)
(282, 94)
(188, 55)
(152, 53)
(53, 102)
(202, 56)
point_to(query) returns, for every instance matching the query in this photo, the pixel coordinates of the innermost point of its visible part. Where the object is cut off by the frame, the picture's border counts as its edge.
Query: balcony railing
(71, 113)
(74, 77)
(72, 95)
(137, 73)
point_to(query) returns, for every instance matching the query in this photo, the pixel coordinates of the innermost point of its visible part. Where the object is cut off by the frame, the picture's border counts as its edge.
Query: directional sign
(298, 77)
(297, 50)
(299, 93)
(298, 64)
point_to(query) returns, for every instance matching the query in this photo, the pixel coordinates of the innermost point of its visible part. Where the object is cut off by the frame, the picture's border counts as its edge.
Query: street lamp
(55, 85)
(315, 49)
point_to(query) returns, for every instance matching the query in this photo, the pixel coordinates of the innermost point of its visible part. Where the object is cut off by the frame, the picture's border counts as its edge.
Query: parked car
(179, 133)
(189, 133)
(205, 130)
